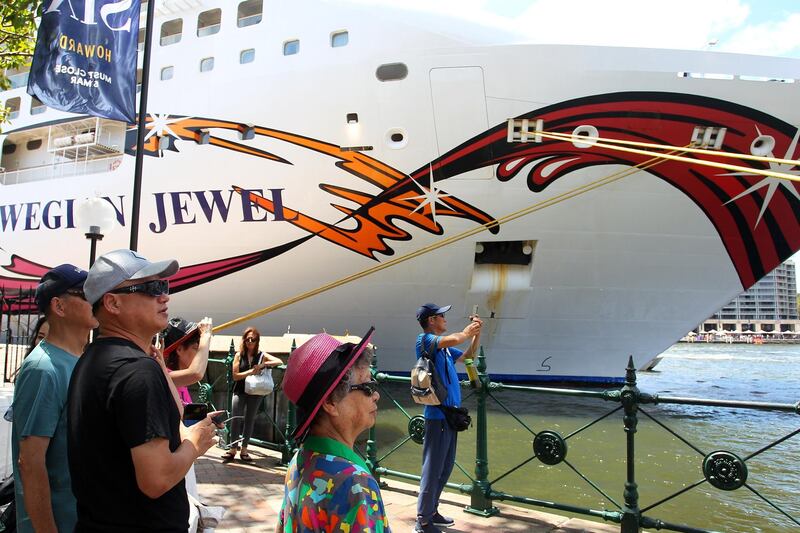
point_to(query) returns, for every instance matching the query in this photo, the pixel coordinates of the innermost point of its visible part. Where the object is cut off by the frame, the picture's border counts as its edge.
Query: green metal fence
(278, 411)
(722, 470)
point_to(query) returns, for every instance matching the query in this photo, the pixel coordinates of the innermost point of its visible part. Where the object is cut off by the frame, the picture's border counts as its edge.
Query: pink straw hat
(314, 370)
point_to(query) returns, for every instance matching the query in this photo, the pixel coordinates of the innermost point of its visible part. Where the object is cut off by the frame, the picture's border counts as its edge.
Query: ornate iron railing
(723, 470)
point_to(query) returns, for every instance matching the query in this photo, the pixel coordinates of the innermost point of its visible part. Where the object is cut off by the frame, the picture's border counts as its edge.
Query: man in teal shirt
(39, 431)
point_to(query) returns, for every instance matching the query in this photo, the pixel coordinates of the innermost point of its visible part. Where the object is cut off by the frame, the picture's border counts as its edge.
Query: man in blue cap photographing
(439, 444)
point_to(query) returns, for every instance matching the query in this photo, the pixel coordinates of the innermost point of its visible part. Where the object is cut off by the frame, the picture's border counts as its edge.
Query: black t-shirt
(120, 399)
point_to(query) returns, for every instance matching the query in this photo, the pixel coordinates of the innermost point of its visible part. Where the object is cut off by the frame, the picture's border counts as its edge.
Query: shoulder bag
(259, 384)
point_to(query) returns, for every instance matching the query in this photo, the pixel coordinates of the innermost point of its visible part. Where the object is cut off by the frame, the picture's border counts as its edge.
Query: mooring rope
(450, 240)
(703, 151)
(693, 161)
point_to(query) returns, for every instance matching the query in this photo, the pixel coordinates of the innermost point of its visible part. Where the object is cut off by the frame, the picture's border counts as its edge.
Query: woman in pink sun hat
(328, 485)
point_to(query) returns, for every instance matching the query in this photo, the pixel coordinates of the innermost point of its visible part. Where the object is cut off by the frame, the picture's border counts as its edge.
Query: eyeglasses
(154, 288)
(368, 387)
(250, 341)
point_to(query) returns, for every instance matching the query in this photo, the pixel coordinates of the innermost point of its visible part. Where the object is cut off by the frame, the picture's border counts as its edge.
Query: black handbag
(457, 417)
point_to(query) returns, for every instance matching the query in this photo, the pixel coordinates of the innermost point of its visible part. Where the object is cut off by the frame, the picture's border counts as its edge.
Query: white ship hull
(625, 269)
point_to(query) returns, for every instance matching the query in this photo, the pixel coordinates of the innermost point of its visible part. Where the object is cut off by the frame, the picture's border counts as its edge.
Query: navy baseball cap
(429, 310)
(58, 281)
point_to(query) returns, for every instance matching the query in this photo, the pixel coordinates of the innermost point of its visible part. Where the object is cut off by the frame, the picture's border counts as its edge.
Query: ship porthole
(585, 131)
(396, 138)
(762, 145)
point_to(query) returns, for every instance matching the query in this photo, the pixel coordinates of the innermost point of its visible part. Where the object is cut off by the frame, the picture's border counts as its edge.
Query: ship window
(9, 148)
(207, 64)
(140, 43)
(171, 32)
(247, 56)
(37, 107)
(291, 48)
(504, 253)
(249, 13)
(17, 78)
(167, 73)
(12, 107)
(208, 22)
(339, 38)
(34, 144)
(392, 72)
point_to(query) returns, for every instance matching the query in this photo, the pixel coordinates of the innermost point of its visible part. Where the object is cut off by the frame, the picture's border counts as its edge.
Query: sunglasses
(157, 287)
(250, 341)
(368, 387)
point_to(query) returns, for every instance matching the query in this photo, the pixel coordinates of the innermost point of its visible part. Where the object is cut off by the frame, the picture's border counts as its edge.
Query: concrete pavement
(252, 494)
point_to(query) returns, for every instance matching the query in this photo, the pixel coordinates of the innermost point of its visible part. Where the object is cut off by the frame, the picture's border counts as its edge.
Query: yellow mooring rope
(714, 164)
(716, 153)
(445, 242)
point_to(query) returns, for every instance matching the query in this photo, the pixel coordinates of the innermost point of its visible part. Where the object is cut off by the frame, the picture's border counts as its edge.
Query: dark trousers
(438, 458)
(247, 404)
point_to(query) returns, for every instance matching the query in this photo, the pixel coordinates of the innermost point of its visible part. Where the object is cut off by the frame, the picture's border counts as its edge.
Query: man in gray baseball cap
(128, 451)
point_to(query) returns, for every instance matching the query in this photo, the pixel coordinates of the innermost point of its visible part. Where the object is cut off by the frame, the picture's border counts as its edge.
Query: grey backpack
(426, 387)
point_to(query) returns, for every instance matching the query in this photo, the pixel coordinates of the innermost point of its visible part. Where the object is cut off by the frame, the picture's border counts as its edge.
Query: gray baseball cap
(119, 266)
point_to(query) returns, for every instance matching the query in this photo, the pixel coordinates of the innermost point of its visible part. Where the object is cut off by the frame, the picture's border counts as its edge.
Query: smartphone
(220, 418)
(194, 413)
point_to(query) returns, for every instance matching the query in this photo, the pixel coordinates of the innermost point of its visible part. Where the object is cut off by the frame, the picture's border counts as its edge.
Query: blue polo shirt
(444, 360)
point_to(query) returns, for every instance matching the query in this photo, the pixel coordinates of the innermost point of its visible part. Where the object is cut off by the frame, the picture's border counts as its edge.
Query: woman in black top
(248, 360)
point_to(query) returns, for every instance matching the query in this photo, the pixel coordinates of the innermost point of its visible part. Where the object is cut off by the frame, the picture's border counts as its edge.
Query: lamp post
(95, 217)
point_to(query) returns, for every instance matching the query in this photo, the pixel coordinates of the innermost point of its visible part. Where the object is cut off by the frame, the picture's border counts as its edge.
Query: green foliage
(17, 38)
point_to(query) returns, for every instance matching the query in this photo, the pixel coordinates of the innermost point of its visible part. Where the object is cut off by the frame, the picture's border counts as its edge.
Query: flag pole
(137, 172)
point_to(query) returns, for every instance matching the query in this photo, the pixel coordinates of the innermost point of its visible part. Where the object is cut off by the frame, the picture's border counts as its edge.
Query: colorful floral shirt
(330, 489)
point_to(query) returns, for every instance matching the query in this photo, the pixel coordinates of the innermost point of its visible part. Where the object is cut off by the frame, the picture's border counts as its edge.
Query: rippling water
(665, 464)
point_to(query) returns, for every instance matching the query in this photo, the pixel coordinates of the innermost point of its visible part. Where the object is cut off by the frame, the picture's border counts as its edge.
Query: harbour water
(665, 464)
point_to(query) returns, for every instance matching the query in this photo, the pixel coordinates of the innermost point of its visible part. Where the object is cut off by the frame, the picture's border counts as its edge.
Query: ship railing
(61, 169)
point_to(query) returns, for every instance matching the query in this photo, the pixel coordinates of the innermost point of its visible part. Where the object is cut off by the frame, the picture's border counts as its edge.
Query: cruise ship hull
(266, 187)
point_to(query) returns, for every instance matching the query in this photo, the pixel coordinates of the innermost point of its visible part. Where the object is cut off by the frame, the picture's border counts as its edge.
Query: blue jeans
(438, 458)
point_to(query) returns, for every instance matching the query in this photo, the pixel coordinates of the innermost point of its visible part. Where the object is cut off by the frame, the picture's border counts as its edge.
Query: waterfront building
(769, 306)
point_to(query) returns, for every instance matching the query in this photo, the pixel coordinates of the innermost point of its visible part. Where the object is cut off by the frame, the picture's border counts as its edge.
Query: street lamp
(95, 217)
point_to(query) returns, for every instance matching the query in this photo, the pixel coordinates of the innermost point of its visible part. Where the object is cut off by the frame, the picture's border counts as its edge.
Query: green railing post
(291, 419)
(631, 515)
(372, 440)
(480, 500)
(229, 393)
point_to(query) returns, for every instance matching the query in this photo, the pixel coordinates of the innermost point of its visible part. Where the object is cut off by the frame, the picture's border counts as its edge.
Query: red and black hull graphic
(756, 241)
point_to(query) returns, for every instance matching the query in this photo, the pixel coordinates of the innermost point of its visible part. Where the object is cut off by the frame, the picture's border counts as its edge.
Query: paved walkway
(252, 494)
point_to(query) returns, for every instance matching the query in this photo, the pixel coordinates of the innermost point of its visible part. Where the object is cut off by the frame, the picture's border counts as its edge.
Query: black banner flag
(85, 57)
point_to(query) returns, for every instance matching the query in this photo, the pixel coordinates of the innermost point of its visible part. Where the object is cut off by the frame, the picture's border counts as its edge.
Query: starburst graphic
(160, 126)
(430, 196)
(771, 183)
